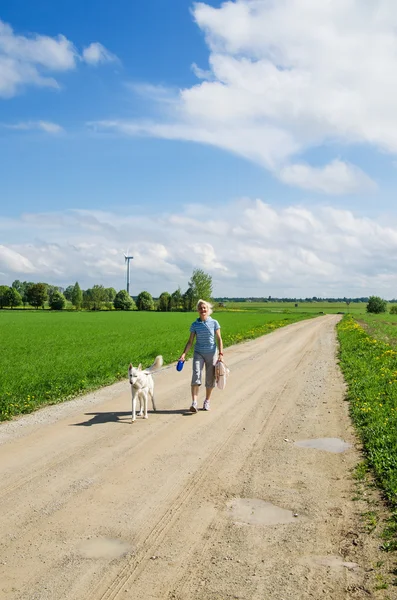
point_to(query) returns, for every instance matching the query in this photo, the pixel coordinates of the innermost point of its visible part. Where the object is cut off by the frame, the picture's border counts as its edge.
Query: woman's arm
(189, 344)
(220, 344)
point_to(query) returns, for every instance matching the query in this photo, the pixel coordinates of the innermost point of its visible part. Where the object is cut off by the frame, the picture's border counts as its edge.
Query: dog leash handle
(179, 365)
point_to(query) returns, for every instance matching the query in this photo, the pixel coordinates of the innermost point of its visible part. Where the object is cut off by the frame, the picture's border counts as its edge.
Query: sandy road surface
(174, 507)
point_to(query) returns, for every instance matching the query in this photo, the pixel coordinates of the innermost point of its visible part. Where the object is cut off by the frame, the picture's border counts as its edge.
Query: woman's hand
(182, 357)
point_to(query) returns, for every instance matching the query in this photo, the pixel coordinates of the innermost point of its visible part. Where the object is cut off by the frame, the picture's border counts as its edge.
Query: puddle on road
(335, 562)
(252, 511)
(328, 444)
(103, 548)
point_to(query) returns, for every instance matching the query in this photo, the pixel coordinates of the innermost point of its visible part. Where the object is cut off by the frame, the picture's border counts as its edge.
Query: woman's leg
(209, 376)
(195, 391)
(208, 392)
(198, 364)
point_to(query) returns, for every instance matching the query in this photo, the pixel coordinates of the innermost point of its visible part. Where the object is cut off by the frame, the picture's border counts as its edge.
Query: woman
(207, 332)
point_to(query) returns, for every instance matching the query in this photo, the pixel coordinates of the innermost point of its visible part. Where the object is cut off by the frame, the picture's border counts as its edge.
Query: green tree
(51, 290)
(3, 296)
(13, 297)
(393, 309)
(99, 296)
(77, 296)
(87, 303)
(94, 298)
(376, 305)
(19, 286)
(37, 295)
(201, 285)
(144, 301)
(123, 301)
(164, 303)
(110, 294)
(188, 299)
(26, 287)
(68, 293)
(176, 300)
(57, 300)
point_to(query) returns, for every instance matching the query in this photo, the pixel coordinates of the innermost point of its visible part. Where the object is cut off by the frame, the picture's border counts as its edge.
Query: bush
(376, 305)
(57, 301)
(123, 301)
(145, 301)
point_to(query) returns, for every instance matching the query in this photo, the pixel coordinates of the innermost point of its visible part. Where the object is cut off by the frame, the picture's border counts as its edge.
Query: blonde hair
(207, 304)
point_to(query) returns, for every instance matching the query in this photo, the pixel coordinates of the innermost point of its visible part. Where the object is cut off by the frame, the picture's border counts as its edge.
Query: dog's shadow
(99, 418)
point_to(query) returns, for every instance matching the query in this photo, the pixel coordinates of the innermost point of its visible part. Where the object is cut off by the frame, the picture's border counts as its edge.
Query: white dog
(142, 386)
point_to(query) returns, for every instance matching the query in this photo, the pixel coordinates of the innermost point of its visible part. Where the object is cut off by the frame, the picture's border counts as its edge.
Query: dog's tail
(158, 362)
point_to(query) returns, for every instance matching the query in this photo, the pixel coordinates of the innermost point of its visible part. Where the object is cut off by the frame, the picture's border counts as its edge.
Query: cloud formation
(288, 76)
(96, 54)
(46, 126)
(255, 249)
(32, 60)
(337, 177)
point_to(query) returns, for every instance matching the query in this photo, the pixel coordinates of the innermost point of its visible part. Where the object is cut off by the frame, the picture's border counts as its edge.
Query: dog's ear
(140, 367)
(130, 367)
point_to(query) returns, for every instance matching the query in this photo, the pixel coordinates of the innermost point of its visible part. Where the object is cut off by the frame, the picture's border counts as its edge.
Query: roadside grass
(369, 365)
(48, 357)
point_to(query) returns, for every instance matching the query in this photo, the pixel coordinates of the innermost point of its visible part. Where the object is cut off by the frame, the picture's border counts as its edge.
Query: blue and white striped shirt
(205, 334)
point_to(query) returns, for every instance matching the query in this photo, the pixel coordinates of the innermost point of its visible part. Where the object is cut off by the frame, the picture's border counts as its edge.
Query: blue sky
(253, 139)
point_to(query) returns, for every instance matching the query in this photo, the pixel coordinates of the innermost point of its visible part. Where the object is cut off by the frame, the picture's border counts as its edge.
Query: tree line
(37, 295)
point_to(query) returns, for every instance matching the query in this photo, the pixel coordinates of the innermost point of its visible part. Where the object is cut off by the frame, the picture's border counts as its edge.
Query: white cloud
(201, 73)
(257, 249)
(337, 177)
(96, 54)
(265, 144)
(288, 76)
(155, 93)
(46, 126)
(58, 53)
(50, 127)
(14, 262)
(30, 60)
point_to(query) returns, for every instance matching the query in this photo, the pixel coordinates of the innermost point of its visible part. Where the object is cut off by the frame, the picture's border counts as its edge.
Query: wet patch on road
(103, 548)
(252, 511)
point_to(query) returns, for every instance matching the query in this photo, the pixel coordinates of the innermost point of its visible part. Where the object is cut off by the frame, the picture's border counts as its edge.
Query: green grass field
(307, 307)
(49, 356)
(382, 327)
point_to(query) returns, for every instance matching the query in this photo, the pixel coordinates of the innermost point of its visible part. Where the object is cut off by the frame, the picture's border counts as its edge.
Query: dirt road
(211, 506)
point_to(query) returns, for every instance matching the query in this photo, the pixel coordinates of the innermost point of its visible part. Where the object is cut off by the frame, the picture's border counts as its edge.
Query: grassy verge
(369, 366)
(48, 357)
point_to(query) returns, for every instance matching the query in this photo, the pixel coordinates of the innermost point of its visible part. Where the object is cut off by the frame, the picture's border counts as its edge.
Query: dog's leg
(133, 403)
(145, 401)
(151, 392)
(153, 402)
(140, 403)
